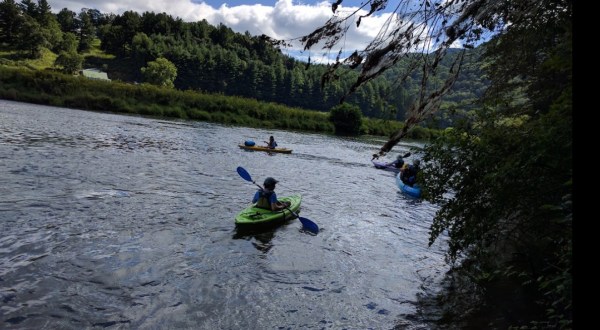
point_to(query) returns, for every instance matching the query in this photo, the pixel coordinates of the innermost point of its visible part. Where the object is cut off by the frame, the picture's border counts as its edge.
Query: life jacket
(411, 175)
(405, 173)
(413, 169)
(264, 199)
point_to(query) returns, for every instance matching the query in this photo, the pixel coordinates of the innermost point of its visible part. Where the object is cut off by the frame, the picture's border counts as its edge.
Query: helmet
(399, 157)
(269, 182)
(417, 162)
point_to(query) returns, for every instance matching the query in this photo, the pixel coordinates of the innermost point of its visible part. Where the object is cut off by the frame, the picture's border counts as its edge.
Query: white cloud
(286, 19)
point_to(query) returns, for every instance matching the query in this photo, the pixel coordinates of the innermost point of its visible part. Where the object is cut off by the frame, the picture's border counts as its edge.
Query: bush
(346, 119)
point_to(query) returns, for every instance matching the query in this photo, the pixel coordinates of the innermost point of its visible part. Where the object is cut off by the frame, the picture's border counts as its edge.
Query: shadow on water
(459, 303)
(262, 234)
(262, 238)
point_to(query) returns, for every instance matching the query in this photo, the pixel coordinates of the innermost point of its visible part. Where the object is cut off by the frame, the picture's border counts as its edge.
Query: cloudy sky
(280, 19)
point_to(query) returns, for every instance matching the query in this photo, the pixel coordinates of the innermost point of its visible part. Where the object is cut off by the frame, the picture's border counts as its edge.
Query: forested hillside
(206, 58)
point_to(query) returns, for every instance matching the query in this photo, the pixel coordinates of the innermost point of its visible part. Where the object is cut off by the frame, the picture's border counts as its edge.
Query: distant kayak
(259, 148)
(414, 191)
(254, 216)
(385, 166)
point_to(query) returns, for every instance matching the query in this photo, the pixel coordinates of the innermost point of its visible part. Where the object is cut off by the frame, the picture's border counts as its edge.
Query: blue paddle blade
(244, 174)
(309, 225)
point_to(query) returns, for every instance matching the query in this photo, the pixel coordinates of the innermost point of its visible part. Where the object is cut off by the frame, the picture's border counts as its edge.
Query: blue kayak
(414, 191)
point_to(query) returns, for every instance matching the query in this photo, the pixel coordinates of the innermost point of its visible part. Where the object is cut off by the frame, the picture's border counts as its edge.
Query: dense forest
(211, 59)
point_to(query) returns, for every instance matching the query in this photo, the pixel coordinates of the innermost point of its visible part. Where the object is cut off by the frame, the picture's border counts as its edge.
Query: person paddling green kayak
(267, 199)
(254, 215)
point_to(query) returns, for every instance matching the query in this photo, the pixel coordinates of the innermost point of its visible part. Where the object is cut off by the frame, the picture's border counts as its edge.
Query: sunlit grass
(14, 58)
(44, 62)
(95, 51)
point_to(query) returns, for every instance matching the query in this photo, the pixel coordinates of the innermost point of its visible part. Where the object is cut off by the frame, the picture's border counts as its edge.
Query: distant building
(94, 74)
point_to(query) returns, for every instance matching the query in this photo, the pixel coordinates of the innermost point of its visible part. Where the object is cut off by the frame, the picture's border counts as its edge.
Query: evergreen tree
(87, 31)
(31, 39)
(67, 20)
(10, 23)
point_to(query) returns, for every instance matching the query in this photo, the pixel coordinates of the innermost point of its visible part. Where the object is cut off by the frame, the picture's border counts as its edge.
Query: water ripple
(122, 222)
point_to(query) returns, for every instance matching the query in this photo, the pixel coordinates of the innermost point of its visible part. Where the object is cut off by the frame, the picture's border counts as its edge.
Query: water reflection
(261, 239)
(262, 235)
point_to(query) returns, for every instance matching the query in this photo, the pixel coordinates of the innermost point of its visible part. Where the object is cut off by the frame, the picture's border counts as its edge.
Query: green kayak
(254, 216)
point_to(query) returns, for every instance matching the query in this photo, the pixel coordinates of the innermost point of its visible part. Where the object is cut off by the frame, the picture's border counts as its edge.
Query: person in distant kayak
(398, 163)
(409, 173)
(271, 144)
(267, 199)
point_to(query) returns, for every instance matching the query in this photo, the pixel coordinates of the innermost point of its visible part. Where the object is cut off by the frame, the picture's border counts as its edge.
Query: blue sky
(279, 19)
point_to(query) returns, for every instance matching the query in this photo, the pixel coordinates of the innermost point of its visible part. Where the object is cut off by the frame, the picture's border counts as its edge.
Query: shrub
(346, 118)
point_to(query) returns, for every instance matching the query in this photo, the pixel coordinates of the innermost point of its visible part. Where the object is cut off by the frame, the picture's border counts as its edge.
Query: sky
(279, 19)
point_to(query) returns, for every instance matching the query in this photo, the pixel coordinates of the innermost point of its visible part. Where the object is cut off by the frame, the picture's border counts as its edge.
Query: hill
(209, 59)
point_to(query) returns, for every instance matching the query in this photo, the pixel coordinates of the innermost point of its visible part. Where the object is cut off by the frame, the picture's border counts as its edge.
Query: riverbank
(57, 89)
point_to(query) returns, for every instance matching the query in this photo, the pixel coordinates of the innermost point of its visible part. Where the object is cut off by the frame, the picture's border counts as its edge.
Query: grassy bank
(52, 88)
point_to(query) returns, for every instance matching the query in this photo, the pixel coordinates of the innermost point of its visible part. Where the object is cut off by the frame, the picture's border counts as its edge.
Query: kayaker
(398, 163)
(267, 199)
(409, 174)
(271, 144)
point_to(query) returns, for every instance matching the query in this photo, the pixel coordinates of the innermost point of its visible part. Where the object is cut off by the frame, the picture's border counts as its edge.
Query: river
(119, 222)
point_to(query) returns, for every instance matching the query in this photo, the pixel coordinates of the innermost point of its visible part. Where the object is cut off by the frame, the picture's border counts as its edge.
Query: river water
(120, 222)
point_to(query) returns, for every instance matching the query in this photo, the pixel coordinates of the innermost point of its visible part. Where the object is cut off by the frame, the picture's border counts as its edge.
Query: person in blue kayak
(267, 199)
(271, 144)
(398, 163)
(409, 173)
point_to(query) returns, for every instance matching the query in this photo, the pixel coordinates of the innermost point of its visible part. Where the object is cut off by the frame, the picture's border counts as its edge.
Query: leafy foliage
(160, 72)
(70, 62)
(503, 176)
(10, 21)
(346, 118)
(430, 27)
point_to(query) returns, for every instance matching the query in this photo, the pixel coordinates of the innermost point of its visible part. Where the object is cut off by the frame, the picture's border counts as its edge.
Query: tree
(69, 43)
(87, 31)
(222, 35)
(31, 38)
(509, 165)
(346, 118)
(10, 22)
(160, 72)
(70, 62)
(66, 19)
(428, 27)
(29, 8)
(51, 30)
(141, 47)
(44, 13)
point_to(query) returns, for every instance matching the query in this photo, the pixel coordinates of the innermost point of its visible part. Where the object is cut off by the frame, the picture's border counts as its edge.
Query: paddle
(306, 223)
